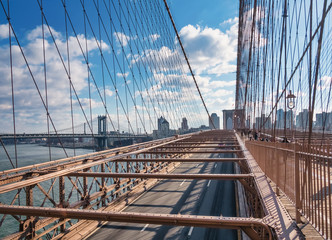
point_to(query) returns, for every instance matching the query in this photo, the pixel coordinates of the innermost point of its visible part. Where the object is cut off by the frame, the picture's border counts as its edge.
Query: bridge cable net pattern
(284, 83)
(118, 60)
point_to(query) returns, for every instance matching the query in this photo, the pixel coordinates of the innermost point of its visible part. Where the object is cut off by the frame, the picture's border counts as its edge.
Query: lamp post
(291, 104)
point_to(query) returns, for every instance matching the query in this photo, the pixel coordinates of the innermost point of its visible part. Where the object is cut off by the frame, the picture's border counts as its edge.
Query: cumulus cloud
(214, 92)
(210, 50)
(212, 54)
(160, 60)
(4, 31)
(121, 38)
(30, 111)
(38, 33)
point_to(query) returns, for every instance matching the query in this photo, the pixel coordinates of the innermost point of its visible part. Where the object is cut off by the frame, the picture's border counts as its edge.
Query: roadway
(196, 197)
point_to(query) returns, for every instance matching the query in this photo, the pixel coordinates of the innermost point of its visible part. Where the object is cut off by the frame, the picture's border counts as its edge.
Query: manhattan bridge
(113, 76)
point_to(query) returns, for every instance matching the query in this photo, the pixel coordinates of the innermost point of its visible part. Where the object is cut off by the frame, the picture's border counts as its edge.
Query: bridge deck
(124, 174)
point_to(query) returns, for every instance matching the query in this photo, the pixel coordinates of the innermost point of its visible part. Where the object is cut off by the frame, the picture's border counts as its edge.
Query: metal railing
(304, 176)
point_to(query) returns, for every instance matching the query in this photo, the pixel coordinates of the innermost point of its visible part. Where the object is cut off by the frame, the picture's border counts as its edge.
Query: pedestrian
(250, 135)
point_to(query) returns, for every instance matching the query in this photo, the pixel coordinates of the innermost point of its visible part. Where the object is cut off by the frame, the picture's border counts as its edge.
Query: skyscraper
(215, 120)
(160, 121)
(184, 124)
(302, 120)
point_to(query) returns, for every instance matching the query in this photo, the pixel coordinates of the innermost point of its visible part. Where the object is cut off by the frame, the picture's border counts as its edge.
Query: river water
(28, 154)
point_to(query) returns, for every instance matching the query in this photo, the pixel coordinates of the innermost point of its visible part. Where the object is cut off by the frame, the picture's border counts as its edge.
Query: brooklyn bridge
(109, 126)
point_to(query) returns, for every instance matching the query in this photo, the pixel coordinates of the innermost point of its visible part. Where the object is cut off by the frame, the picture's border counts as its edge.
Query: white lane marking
(146, 225)
(190, 231)
(197, 165)
(208, 185)
(215, 165)
(182, 182)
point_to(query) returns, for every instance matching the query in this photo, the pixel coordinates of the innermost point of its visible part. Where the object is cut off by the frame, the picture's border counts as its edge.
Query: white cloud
(222, 69)
(28, 106)
(4, 31)
(258, 38)
(212, 53)
(126, 74)
(163, 59)
(109, 92)
(216, 84)
(325, 82)
(209, 49)
(121, 38)
(38, 33)
(230, 21)
(221, 93)
(154, 37)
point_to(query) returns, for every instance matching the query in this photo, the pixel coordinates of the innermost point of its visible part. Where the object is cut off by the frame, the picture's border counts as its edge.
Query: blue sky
(205, 13)
(208, 30)
(219, 19)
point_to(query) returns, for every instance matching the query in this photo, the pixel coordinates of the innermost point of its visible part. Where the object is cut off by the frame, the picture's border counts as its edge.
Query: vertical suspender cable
(45, 83)
(69, 76)
(12, 83)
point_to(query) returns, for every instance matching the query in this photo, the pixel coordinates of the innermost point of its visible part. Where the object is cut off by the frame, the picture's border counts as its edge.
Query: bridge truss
(96, 187)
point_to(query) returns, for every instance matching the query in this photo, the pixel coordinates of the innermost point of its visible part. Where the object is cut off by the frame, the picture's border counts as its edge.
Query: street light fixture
(291, 104)
(290, 100)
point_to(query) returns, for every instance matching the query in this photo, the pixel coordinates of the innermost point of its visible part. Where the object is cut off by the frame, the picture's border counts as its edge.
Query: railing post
(62, 199)
(103, 185)
(297, 188)
(117, 180)
(85, 188)
(29, 223)
(278, 169)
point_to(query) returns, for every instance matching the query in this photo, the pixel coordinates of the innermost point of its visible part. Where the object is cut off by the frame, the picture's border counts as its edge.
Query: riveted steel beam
(163, 219)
